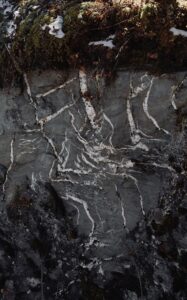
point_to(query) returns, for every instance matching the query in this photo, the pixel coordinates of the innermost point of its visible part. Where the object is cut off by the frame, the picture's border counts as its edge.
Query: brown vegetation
(141, 30)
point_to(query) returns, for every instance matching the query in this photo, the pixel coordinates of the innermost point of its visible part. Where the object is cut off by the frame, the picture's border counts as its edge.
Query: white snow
(106, 43)
(11, 27)
(6, 6)
(35, 6)
(176, 32)
(55, 27)
(17, 13)
(7, 9)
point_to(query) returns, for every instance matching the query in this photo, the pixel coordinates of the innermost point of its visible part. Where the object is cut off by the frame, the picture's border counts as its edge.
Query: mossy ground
(142, 36)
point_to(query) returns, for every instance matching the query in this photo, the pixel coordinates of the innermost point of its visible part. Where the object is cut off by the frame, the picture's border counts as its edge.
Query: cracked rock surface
(93, 187)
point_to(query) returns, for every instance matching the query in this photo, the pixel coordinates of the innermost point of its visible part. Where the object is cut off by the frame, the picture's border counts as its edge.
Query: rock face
(107, 161)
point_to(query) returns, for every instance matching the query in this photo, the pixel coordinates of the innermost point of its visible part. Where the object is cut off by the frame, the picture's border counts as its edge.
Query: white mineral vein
(33, 181)
(173, 97)
(164, 166)
(56, 114)
(174, 91)
(85, 206)
(112, 127)
(10, 165)
(53, 90)
(90, 111)
(122, 207)
(40, 122)
(134, 179)
(134, 132)
(146, 108)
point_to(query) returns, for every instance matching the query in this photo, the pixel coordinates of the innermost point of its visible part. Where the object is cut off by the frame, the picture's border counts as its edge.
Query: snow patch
(176, 32)
(105, 43)
(9, 9)
(6, 6)
(11, 28)
(55, 27)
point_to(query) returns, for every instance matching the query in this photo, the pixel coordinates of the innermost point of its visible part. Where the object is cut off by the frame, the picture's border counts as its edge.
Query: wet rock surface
(93, 187)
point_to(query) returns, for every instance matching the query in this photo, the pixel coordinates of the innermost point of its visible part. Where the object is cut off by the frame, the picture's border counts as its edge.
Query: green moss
(29, 39)
(34, 46)
(71, 19)
(134, 28)
(148, 14)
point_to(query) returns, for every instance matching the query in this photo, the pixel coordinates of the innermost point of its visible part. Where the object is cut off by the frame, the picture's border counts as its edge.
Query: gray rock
(107, 166)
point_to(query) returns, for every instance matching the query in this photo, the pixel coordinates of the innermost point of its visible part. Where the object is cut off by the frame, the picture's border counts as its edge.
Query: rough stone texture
(106, 160)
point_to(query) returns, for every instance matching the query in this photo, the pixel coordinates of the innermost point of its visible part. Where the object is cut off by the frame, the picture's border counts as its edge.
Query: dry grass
(182, 3)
